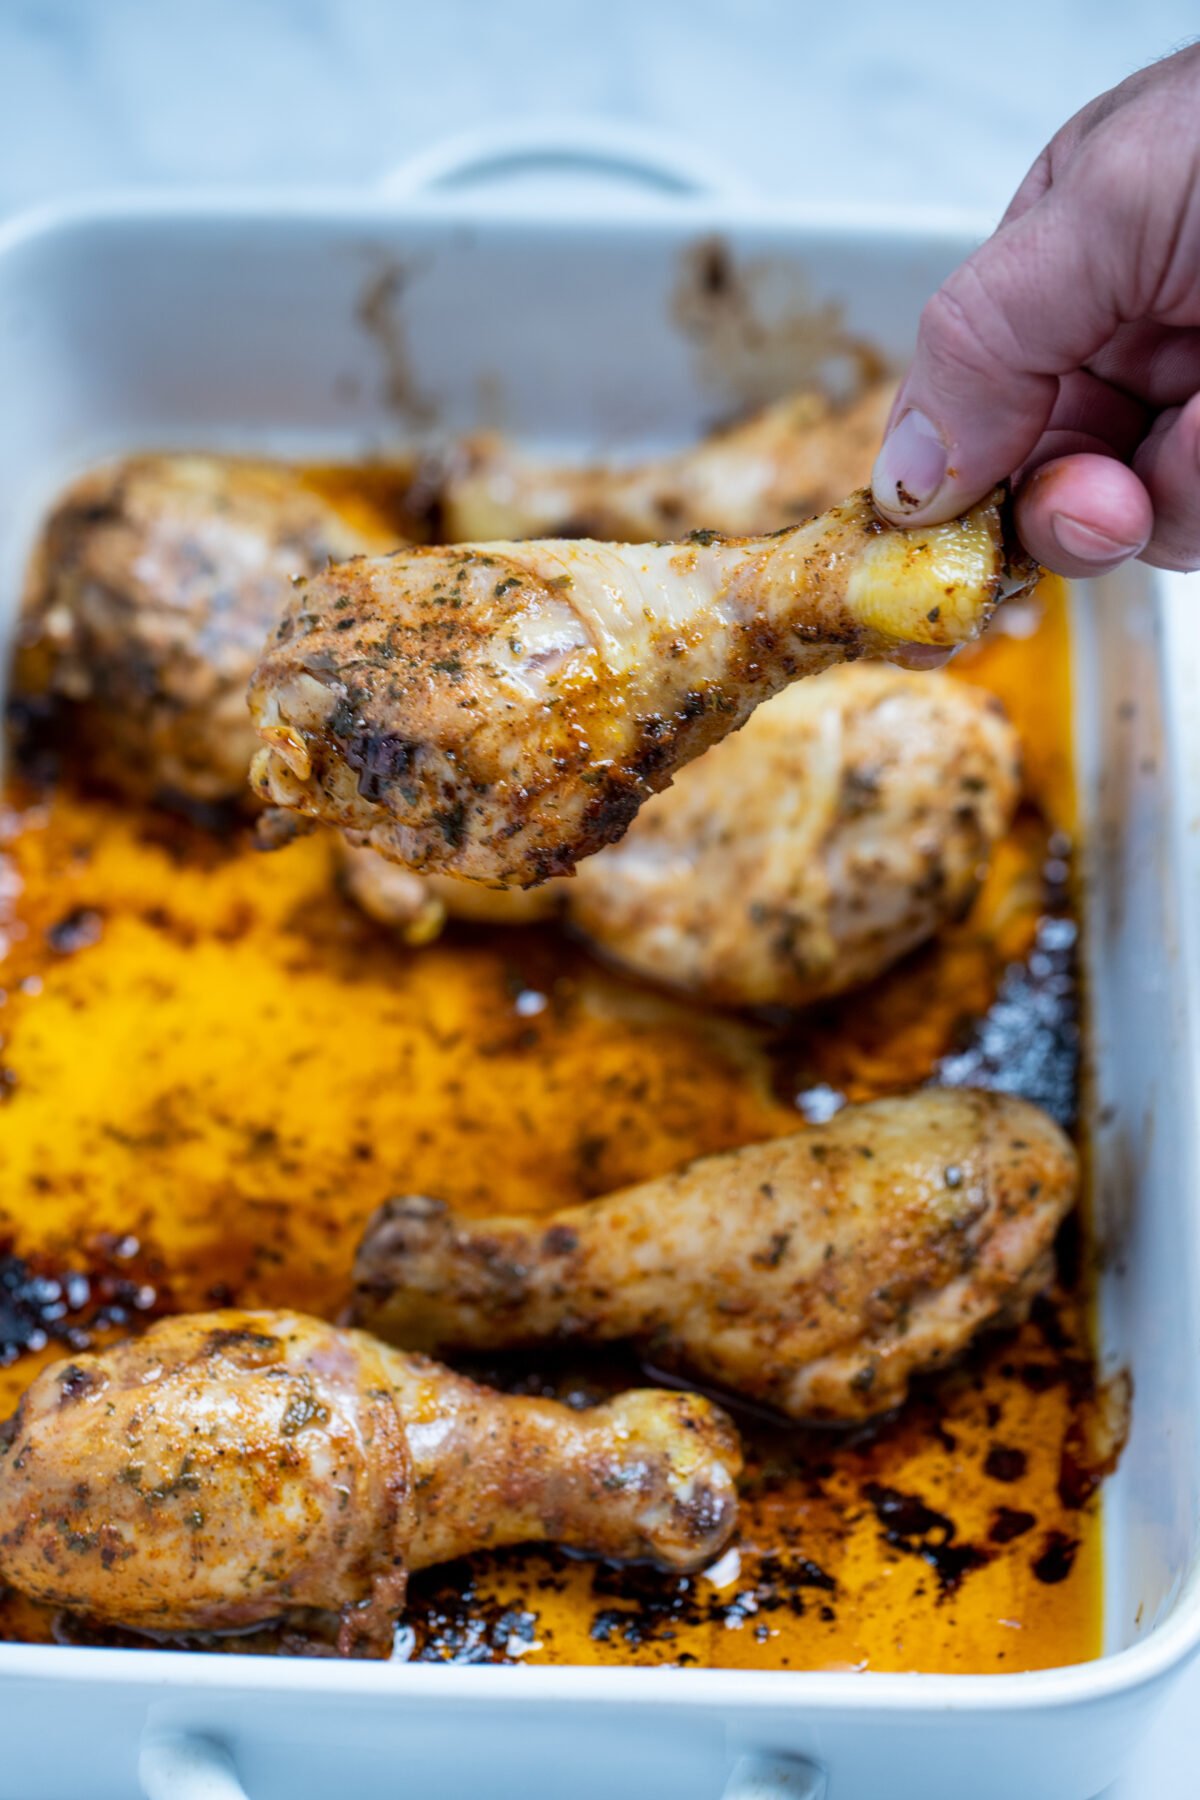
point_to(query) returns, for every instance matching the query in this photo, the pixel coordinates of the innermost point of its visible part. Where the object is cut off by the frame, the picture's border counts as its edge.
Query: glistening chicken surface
(501, 711)
(232, 1468)
(815, 1274)
(155, 581)
(277, 1065)
(851, 818)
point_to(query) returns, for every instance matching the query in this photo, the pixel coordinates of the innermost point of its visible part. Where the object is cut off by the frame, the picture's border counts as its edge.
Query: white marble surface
(945, 103)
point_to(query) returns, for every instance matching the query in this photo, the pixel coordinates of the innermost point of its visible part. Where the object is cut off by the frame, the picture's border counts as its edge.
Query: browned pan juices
(214, 1069)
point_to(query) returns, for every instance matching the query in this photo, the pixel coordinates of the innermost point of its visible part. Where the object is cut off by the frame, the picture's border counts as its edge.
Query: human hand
(1066, 351)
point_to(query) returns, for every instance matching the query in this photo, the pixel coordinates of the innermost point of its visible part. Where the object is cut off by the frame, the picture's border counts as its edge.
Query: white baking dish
(205, 322)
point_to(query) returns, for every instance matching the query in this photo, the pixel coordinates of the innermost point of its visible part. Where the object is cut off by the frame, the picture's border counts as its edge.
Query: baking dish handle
(758, 1777)
(181, 1766)
(654, 161)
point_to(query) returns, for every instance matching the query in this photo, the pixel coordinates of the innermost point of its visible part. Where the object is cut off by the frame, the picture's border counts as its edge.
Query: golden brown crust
(786, 462)
(816, 1273)
(501, 711)
(847, 822)
(233, 1468)
(151, 590)
(648, 1476)
(225, 1469)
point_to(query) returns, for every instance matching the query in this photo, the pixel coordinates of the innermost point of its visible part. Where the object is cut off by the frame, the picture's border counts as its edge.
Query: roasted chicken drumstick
(786, 462)
(500, 711)
(846, 823)
(152, 588)
(233, 1468)
(814, 1273)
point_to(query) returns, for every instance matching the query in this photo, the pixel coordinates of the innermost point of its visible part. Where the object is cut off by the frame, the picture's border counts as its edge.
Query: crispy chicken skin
(500, 711)
(150, 595)
(232, 1468)
(790, 460)
(848, 821)
(842, 826)
(815, 1274)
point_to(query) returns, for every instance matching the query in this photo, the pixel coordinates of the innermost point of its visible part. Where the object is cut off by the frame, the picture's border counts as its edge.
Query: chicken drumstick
(847, 822)
(500, 711)
(231, 1468)
(151, 590)
(786, 462)
(816, 1273)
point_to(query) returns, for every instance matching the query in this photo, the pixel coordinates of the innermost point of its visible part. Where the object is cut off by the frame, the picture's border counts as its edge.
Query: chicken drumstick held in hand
(815, 1273)
(233, 1468)
(500, 711)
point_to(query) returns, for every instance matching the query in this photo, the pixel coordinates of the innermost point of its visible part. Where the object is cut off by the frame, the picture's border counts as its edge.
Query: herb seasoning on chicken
(501, 711)
(234, 1467)
(848, 821)
(154, 584)
(815, 1274)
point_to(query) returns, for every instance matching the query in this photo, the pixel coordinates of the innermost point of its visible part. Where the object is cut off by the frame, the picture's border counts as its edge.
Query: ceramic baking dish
(588, 316)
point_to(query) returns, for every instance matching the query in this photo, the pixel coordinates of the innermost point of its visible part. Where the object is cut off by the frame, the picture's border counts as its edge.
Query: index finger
(1032, 303)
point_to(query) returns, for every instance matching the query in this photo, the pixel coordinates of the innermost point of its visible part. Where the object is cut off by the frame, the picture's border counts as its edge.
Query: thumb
(1027, 307)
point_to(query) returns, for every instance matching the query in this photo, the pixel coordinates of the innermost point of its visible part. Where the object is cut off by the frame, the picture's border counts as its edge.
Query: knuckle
(964, 329)
(1109, 173)
(1172, 549)
(1139, 204)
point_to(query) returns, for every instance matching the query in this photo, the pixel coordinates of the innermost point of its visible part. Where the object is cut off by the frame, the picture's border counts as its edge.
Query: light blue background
(846, 99)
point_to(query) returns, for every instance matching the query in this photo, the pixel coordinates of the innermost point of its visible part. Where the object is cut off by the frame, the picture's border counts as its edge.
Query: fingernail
(1086, 543)
(911, 467)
